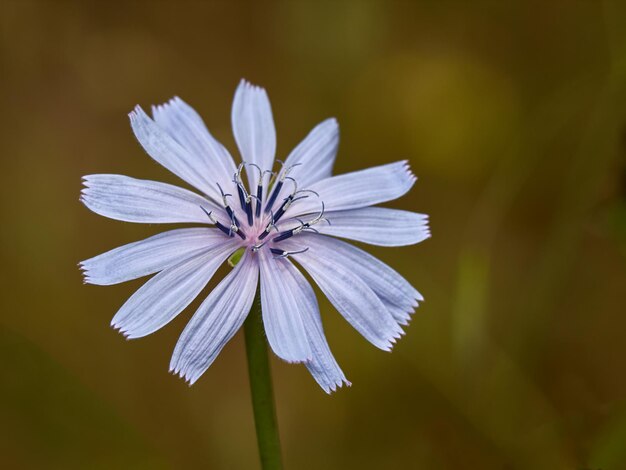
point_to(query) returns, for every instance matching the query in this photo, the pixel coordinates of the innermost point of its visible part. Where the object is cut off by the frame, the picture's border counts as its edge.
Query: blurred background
(513, 116)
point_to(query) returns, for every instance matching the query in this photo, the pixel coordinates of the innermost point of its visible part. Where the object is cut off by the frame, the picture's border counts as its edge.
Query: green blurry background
(513, 115)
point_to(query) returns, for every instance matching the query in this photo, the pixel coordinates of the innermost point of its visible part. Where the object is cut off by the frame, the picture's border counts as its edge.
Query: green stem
(261, 390)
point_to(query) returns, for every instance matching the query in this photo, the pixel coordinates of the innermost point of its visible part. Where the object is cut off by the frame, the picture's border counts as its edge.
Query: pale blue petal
(168, 293)
(283, 326)
(323, 366)
(148, 256)
(185, 125)
(357, 189)
(400, 314)
(133, 200)
(313, 159)
(253, 127)
(386, 283)
(163, 148)
(377, 226)
(350, 295)
(216, 321)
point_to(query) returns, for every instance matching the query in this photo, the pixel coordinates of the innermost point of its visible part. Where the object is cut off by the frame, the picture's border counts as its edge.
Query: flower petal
(148, 256)
(323, 366)
(167, 294)
(133, 200)
(283, 326)
(377, 226)
(253, 126)
(315, 155)
(357, 189)
(185, 125)
(350, 295)
(162, 147)
(216, 321)
(387, 284)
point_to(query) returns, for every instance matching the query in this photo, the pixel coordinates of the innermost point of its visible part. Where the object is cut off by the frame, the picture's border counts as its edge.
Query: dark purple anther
(283, 236)
(242, 195)
(232, 216)
(226, 230)
(272, 199)
(248, 209)
(281, 210)
(259, 198)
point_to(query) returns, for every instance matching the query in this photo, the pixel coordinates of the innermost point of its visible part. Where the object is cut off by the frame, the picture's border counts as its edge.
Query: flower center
(260, 218)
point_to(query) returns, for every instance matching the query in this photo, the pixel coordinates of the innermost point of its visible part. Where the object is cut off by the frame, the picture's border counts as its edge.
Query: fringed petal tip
(334, 387)
(168, 104)
(174, 102)
(406, 165)
(84, 271)
(85, 179)
(295, 361)
(247, 86)
(394, 340)
(136, 113)
(118, 328)
(184, 374)
(126, 331)
(179, 374)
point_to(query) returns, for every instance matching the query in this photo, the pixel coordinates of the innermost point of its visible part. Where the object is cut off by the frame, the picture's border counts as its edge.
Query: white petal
(253, 126)
(185, 125)
(148, 256)
(323, 366)
(350, 295)
(216, 321)
(172, 155)
(167, 294)
(357, 189)
(377, 226)
(386, 283)
(283, 326)
(315, 155)
(133, 200)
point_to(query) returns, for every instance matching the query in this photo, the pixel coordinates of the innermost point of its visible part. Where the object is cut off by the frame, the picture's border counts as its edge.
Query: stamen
(303, 226)
(244, 199)
(259, 198)
(283, 236)
(268, 229)
(272, 199)
(234, 228)
(217, 223)
(248, 209)
(278, 253)
(279, 184)
(319, 217)
(241, 192)
(287, 202)
(258, 246)
(229, 210)
(241, 189)
(259, 191)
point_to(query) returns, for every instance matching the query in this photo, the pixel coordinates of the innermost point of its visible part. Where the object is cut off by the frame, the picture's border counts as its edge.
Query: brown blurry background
(513, 115)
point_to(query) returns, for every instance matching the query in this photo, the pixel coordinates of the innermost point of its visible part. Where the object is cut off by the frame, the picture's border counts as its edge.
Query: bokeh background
(513, 115)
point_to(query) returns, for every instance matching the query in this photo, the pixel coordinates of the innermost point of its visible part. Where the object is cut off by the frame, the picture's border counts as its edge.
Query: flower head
(284, 216)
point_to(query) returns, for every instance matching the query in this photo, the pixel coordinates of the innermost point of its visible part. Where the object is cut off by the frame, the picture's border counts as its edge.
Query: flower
(279, 217)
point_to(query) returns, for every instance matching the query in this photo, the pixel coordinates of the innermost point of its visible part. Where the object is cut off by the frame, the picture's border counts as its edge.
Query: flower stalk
(261, 389)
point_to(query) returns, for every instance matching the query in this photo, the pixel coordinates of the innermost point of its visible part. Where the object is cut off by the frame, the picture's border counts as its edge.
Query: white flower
(277, 218)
